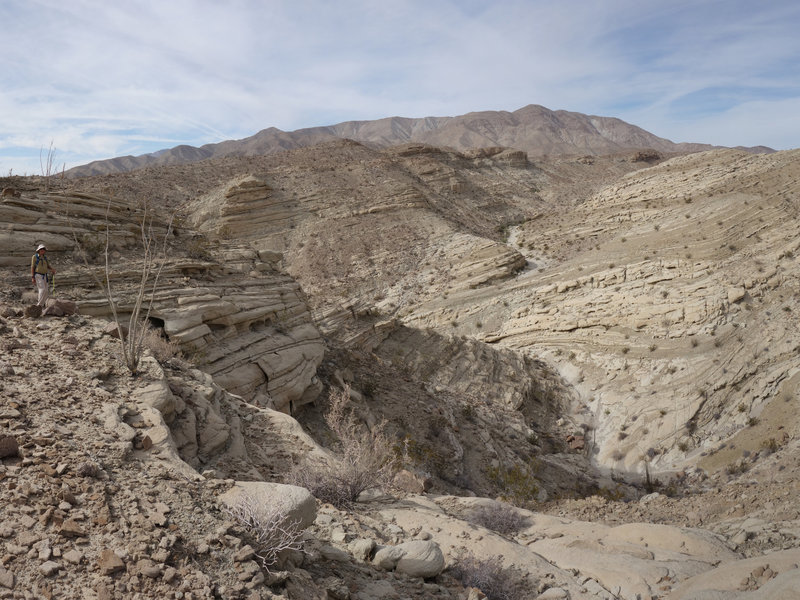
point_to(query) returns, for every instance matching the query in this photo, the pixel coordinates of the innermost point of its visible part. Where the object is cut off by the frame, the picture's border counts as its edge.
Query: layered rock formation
(645, 294)
(242, 318)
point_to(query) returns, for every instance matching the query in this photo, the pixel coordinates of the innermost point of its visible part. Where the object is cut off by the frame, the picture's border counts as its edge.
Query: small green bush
(517, 484)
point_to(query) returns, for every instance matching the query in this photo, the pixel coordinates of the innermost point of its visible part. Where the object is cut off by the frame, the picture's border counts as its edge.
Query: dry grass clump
(162, 348)
(491, 578)
(500, 517)
(365, 459)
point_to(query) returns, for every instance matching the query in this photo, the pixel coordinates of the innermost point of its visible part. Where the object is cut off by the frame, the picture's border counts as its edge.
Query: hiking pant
(43, 289)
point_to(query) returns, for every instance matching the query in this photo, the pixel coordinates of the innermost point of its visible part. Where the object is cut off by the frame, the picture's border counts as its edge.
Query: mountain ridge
(534, 129)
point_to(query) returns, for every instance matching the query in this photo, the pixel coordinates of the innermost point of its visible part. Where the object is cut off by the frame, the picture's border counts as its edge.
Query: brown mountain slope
(533, 129)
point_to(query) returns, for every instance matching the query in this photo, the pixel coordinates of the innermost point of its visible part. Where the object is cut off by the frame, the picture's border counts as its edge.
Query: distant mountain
(533, 128)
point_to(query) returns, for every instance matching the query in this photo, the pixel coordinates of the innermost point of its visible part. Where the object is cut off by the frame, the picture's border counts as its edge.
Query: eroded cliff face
(667, 300)
(241, 318)
(465, 414)
(644, 294)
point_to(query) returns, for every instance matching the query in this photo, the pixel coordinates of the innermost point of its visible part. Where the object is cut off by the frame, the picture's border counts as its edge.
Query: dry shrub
(491, 578)
(162, 348)
(198, 248)
(500, 517)
(268, 529)
(364, 459)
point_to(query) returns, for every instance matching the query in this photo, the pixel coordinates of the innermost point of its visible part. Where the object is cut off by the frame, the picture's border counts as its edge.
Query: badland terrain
(594, 341)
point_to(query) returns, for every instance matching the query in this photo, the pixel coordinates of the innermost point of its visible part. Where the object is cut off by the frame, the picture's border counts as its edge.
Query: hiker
(40, 267)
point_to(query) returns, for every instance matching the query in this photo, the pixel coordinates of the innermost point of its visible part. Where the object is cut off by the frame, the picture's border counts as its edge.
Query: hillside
(533, 129)
(605, 341)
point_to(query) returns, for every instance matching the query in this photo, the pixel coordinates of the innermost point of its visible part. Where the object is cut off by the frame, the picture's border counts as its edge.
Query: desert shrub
(161, 348)
(267, 529)
(517, 484)
(770, 445)
(618, 454)
(737, 467)
(468, 412)
(364, 460)
(152, 256)
(198, 248)
(437, 424)
(422, 455)
(500, 517)
(614, 494)
(368, 388)
(490, 577)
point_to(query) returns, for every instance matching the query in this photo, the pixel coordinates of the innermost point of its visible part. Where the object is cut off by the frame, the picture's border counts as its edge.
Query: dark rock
(8, 446)
(32, 312)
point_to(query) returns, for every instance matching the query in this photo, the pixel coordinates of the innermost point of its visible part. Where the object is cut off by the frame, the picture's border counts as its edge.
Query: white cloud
(105, 78)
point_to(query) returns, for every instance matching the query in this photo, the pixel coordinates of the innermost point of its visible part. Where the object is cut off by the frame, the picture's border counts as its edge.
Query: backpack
(47, 262)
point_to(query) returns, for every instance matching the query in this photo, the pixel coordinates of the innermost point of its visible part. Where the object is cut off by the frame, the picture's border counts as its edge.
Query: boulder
(362, 548)
(32, 312)
(8, 446)
(407, 481)
(109, 563)
(113, 330)
(296, 502)
(417, 558)
(59, 307)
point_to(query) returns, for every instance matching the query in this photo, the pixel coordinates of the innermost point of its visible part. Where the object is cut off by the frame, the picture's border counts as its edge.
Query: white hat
(40, 247)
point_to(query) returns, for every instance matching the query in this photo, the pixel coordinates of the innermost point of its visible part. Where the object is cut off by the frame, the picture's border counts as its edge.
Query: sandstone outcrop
(246, 319)
(647, 295)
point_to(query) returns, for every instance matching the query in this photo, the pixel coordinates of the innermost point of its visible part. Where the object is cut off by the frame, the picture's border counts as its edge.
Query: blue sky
(102, 79)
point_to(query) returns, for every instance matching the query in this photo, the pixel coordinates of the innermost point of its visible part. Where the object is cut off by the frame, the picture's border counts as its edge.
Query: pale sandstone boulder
(295, 502)
(417, 558)
(454, 535)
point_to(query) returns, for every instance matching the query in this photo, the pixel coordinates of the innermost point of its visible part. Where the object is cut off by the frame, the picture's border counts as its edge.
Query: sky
(96, 79)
